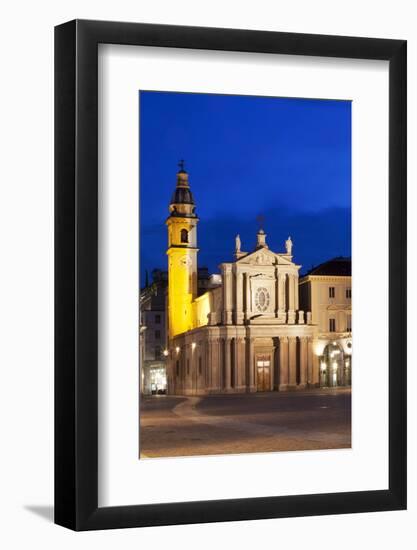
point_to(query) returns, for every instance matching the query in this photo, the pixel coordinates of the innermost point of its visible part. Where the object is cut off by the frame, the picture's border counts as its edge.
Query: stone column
(283, 363)
(227, 294)
(295, 281)
(275, 364)
(292, 361)
(240, 362)
(236, 377)
(291, 300)
(239, 299)
(291, 291)
(224, 292)
(215, 367)
(220, 363)
(303, 360)
(250, 367)
(281, 298)
(282, 315)
(227, 365)
(247, 296)
(276, 308)
(310, 362)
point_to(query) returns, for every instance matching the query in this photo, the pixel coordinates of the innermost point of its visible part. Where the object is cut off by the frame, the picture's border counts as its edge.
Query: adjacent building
(153, 334)
(326, 291)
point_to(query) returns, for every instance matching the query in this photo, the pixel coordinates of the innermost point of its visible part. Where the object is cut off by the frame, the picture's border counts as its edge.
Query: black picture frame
(76, 272)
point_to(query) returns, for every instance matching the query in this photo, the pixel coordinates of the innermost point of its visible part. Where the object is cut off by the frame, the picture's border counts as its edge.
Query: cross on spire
(181, 165)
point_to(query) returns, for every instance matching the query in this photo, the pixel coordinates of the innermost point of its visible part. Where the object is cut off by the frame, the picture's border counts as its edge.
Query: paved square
(245, 423)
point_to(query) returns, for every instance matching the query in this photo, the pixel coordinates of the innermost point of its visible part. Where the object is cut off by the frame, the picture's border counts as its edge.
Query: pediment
(338, 307)
(262, 256)
(284, 260)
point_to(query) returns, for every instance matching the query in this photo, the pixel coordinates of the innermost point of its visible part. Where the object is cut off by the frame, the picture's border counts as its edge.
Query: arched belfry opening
(184, 236)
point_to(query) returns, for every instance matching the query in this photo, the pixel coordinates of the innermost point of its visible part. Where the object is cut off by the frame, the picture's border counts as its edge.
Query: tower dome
(182, 201)
(182, 193)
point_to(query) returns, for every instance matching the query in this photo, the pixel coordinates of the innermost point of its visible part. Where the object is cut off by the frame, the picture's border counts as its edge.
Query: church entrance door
(263, 372)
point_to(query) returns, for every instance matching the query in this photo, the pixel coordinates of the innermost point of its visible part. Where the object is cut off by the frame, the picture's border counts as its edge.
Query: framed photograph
(230, 244)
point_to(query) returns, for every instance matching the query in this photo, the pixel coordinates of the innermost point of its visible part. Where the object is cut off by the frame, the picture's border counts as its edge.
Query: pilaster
(281, 298)
(227, 365)
(283, 363)
(250, 366)
(310, 362)
(247, 296)
(215, 364)
(227, 294)
(291, 300)
(303, 360)
(292, 361)
(295, 282)
(239, 299)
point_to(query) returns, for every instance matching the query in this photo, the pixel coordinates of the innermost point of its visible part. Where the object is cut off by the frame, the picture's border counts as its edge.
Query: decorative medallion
(261, 299)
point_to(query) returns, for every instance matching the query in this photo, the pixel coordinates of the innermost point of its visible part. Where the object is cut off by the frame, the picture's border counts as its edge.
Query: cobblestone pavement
(245, 423)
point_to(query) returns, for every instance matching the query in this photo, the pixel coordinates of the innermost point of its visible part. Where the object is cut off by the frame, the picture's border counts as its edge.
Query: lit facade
(153, 335)
(153, 329)
(247, 332)
(327, 292)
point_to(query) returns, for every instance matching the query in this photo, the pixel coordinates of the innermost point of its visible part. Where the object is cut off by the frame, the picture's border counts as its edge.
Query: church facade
(244, 334)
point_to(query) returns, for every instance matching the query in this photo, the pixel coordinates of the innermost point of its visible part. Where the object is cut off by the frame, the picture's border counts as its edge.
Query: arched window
(184, 236)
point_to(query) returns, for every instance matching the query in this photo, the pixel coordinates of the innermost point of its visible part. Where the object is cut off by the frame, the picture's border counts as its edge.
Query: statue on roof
(288, 246)
(238, 243)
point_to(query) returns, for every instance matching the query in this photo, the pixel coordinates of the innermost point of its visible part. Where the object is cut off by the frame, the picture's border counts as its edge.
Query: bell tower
(182, 256)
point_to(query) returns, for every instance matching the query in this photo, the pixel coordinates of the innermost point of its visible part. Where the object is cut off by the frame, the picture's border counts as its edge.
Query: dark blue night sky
(287, 159)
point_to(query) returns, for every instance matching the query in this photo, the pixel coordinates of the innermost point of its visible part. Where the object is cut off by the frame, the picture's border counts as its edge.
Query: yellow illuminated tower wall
(182, 256)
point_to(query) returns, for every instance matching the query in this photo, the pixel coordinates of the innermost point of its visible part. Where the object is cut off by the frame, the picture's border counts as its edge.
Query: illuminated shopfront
(154, 379)
(335, 366)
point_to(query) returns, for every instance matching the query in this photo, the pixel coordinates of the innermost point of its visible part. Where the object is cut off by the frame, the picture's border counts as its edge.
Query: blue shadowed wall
(287, 159)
